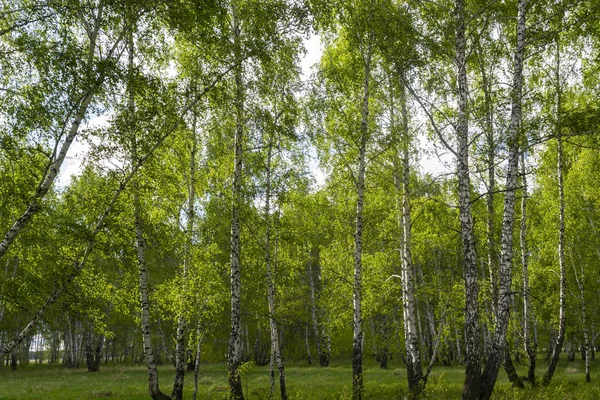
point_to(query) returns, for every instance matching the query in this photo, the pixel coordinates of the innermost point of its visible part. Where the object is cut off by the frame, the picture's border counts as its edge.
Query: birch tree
(140, 241)
(498, 349)
(561, 225)
(102, 49)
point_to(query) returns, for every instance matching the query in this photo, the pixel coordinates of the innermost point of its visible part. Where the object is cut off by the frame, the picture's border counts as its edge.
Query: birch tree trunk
(530, 349)
(234, 354)
(471, 389)
(561, 231)
(180, 347)
(153, 387)
(357, 341)
(275, 350)
(308, 357)
(497, 353)
(321, 337)
(586, 332)
(414, 369)
(199, 336)
(491, 171)
(93, 354)
(140, 244)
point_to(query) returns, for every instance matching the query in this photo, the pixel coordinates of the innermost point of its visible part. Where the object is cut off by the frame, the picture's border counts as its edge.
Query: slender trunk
(72, 359)
(153, 387)
(384, 338)
(275, 350)
(491, 170)
(530, 349)
(411, 333)
(561, 232)
(436, 345)
(13, 359)
(472, 383)
(313, 313)
(357, 341)
(498, 353)
(234, 354)
(140, 243)
(180, 347)
(585, 350)
(307, 345)
(199, 336)
(586, 331)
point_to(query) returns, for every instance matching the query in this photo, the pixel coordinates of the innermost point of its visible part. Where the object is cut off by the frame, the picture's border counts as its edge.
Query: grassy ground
(334, 382)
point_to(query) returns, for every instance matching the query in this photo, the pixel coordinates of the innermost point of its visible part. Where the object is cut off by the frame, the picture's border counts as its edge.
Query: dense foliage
(175, 188)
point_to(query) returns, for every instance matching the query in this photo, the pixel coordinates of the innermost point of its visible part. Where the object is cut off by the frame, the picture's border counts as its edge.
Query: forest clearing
(299, 199)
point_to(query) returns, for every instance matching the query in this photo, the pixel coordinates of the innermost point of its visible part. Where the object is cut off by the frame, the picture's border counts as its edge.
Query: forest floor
(303, 382)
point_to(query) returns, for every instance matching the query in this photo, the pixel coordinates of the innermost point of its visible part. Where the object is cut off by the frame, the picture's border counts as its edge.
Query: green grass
(304, 382)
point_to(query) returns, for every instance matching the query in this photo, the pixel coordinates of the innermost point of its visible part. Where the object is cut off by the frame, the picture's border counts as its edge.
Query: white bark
(411, 333)
(140, 243)
(530, 348)
(234, 355)
(180, 346)
(561, 231)
(199, 336)
(471, 389)
(580, 279)
(497, 353)
(357, 341)
(269, 263)
(491, 170)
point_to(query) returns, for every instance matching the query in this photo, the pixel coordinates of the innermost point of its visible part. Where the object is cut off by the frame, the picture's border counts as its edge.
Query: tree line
(196, 229)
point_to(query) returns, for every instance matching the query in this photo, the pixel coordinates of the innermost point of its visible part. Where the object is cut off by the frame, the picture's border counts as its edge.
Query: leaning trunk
(58, 157)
